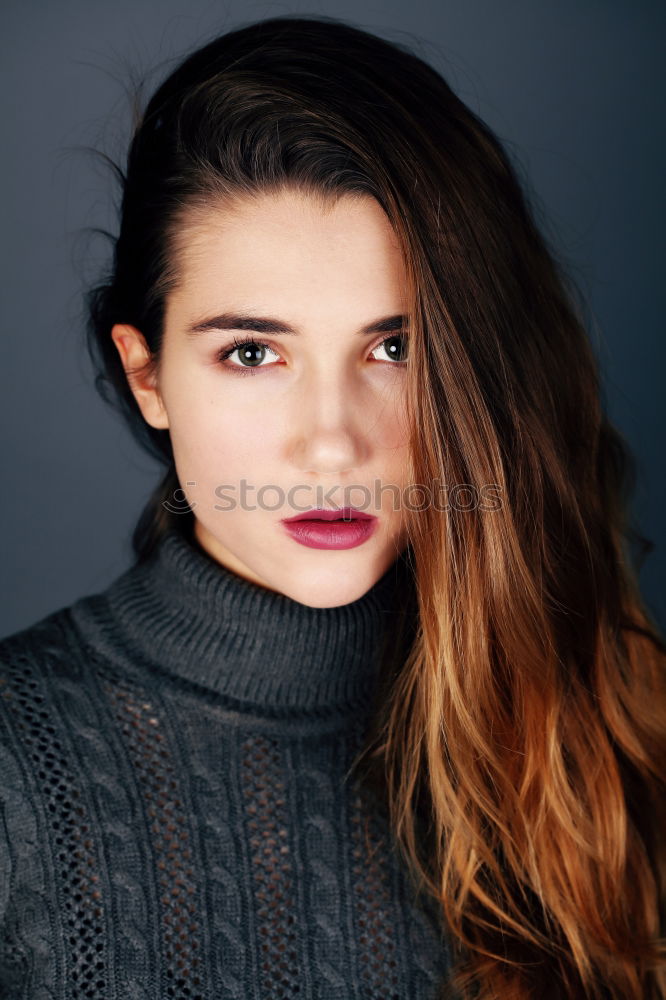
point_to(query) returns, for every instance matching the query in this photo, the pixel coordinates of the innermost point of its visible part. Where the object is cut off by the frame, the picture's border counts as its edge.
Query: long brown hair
(517, 741)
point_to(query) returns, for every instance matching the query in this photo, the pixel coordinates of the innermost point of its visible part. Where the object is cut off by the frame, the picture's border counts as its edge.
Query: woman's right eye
(252, 353)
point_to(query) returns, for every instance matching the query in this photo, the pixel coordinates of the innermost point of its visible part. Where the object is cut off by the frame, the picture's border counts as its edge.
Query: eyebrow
(266, 324)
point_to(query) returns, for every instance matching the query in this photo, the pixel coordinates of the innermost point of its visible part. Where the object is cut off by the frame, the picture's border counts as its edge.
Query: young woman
(378, 709)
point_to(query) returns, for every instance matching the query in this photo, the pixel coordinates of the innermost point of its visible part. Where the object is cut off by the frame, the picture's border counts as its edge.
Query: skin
(326, 410)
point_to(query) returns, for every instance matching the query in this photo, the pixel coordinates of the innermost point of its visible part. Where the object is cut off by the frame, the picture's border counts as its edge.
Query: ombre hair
(518, 738)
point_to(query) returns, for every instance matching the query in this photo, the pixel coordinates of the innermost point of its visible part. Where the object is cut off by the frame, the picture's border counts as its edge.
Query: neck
(182, 612)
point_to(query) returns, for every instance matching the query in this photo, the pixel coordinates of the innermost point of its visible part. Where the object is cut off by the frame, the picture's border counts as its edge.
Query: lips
(331, 529)
(321, 514)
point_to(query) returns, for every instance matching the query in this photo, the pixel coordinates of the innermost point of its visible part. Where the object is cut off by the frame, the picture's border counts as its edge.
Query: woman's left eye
(395, 347)
(253, 352)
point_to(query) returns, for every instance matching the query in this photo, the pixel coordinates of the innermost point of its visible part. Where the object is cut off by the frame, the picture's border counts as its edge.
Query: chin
(328, 602)
(327, 590)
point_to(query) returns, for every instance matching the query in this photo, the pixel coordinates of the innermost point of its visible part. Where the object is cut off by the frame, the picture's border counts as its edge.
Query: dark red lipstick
(331, 529)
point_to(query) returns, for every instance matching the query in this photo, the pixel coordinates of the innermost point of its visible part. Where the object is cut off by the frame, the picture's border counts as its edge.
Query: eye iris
(396, 348)
(253, 354)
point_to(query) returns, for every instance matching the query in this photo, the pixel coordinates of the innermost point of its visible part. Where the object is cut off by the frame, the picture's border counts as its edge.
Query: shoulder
(47, 692)
(48, 648)
(52, 725)
(47, 630)
(49, 726)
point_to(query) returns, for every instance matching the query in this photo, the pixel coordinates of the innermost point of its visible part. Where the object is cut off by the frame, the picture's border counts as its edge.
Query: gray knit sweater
(176, 817)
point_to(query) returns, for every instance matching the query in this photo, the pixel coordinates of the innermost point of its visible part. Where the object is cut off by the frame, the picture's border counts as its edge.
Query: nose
(330, 424)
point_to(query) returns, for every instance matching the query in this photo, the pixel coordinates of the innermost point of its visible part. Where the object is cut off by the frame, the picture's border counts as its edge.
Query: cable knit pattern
(179, 819)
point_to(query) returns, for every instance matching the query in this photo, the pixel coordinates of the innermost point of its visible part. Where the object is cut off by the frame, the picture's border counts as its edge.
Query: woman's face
(314, 420)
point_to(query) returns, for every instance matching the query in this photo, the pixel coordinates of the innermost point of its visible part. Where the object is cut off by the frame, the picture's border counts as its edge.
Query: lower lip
(331, 534)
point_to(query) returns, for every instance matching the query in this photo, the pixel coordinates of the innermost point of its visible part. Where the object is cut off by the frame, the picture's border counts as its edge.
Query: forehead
(278, 244)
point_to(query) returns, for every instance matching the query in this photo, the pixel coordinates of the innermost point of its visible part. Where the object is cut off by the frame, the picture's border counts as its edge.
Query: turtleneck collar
(182, 612)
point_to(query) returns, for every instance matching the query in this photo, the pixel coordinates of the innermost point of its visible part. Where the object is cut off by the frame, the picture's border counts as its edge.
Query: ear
(135, 356)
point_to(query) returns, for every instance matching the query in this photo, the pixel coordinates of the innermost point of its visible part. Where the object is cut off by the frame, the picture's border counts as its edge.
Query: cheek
(396, 436)
(391, 430)
(212, 432)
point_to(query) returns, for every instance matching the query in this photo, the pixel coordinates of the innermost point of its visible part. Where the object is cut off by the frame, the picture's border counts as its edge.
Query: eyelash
(243, 370)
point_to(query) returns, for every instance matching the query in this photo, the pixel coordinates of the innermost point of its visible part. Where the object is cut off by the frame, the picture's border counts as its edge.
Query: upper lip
(321, 514)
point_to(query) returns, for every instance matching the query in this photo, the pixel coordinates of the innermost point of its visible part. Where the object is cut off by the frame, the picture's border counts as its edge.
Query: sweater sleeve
(27, 942)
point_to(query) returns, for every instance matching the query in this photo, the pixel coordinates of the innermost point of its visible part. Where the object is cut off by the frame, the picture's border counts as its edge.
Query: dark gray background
(574, 89)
